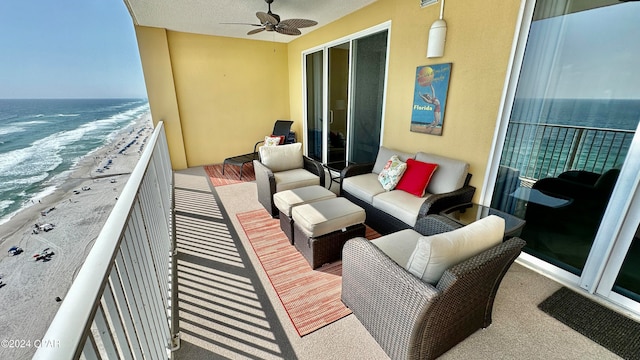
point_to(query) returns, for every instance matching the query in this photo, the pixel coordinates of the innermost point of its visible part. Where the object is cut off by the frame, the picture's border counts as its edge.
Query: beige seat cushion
(449, 176)
(296, 178)
(364, 186)
(287, 199)
(282, 157)
(398, 245)
(400, 204)
(433, 255)
(326, 216)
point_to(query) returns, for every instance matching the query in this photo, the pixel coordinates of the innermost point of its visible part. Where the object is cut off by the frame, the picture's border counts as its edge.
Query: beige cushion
(326, 216)
(283, 157)
(433, 255)
(364, 186)
(400, 204)
(296, 178)
(398, 245)
(287, 199)
(384, 154)
(449, 176)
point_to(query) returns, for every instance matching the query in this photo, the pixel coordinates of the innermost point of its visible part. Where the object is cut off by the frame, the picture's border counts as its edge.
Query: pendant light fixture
(437, 35)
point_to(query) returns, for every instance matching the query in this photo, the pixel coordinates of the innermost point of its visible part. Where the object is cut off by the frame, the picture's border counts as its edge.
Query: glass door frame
(621, 218)
(325, 91)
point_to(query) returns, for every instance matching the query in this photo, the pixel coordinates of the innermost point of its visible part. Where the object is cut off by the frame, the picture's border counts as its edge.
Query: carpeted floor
(608, 328)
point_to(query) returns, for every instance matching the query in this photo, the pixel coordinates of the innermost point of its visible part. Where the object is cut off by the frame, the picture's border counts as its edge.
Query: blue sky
(595, 56)
(68, 49)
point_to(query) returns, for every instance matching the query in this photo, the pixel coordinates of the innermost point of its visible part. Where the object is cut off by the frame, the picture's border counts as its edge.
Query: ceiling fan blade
(266, 18)
(298, 23)
(288, 30)
(241, 24)
(255, 31)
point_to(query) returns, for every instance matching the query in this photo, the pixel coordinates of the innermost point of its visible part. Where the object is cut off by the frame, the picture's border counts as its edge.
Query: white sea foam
(5, 204)
(11, 129)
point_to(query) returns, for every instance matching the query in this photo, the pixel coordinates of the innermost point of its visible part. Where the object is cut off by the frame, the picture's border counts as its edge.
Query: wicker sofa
(390, 211)
(411, 318)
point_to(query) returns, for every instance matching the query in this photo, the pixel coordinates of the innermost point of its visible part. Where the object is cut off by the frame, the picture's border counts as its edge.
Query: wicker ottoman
(286, 200)
(321, 228)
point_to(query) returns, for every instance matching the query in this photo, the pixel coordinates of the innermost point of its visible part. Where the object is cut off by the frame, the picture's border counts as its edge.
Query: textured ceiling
(206, 16)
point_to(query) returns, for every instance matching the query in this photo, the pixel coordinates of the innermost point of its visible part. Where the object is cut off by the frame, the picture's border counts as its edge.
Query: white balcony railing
(119, 305)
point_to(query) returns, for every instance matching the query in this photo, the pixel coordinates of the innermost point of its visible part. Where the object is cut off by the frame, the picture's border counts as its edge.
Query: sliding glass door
(570, 152)
(367, 96)
(344, 83)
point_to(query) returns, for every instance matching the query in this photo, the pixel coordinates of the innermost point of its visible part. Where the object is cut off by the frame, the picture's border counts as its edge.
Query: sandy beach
(77, 210)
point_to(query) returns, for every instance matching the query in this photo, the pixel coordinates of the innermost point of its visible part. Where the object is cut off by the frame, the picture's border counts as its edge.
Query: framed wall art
(430, 98)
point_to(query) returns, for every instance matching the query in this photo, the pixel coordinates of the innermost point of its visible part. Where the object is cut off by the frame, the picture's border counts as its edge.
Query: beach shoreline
(77, 209)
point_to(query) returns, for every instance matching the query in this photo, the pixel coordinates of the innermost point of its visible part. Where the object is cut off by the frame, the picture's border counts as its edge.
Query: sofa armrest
(356, 169)
(436, 203)
(388, 300)
(315, 168)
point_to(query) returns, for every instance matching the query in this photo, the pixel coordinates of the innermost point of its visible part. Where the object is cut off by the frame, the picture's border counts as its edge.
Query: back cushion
(450, 175)
(282, 157)
(433, 255)
(384, 154)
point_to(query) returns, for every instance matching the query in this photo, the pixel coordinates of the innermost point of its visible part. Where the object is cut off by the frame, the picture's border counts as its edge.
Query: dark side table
(467, 213)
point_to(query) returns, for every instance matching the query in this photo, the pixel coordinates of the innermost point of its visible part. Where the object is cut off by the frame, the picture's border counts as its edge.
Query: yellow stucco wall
(230, 92)
(218, 96)
(158, 77)
(479, 40)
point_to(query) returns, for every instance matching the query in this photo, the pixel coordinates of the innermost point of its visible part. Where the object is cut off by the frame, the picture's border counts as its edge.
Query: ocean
(41, 140)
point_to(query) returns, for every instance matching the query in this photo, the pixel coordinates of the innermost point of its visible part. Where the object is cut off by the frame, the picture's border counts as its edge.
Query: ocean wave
(11, 129)
(4, 204)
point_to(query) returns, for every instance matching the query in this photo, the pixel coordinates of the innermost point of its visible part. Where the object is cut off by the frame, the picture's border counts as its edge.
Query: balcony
(546, 150)
(172, 275)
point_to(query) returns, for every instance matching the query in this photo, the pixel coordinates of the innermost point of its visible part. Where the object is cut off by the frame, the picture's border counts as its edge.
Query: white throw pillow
(392, 172)
(434, 254)
(283, 157)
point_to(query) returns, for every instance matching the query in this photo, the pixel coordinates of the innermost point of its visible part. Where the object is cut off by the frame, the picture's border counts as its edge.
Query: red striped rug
(310, 297)
(231, 174)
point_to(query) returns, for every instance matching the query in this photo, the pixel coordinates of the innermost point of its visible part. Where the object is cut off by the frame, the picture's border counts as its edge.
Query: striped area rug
(231, 174)
(310, 297)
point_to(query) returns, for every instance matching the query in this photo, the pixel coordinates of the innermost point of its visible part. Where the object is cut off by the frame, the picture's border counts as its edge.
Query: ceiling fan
(271, 22)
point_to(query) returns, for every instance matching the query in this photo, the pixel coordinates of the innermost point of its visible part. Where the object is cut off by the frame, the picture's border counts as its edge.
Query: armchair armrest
(387, 299)
(266, 184)
(435, 224)
(315, 168)
(436, 203)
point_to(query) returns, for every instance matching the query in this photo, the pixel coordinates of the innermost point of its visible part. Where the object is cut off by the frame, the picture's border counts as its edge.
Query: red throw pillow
(416, 178)
(279, 136)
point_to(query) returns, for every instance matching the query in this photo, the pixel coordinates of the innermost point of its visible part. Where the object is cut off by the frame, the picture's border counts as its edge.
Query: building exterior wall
(479, 41)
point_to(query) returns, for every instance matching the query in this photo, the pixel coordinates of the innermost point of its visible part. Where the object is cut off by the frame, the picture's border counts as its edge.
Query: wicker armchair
(274, 174)
(411, 319)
